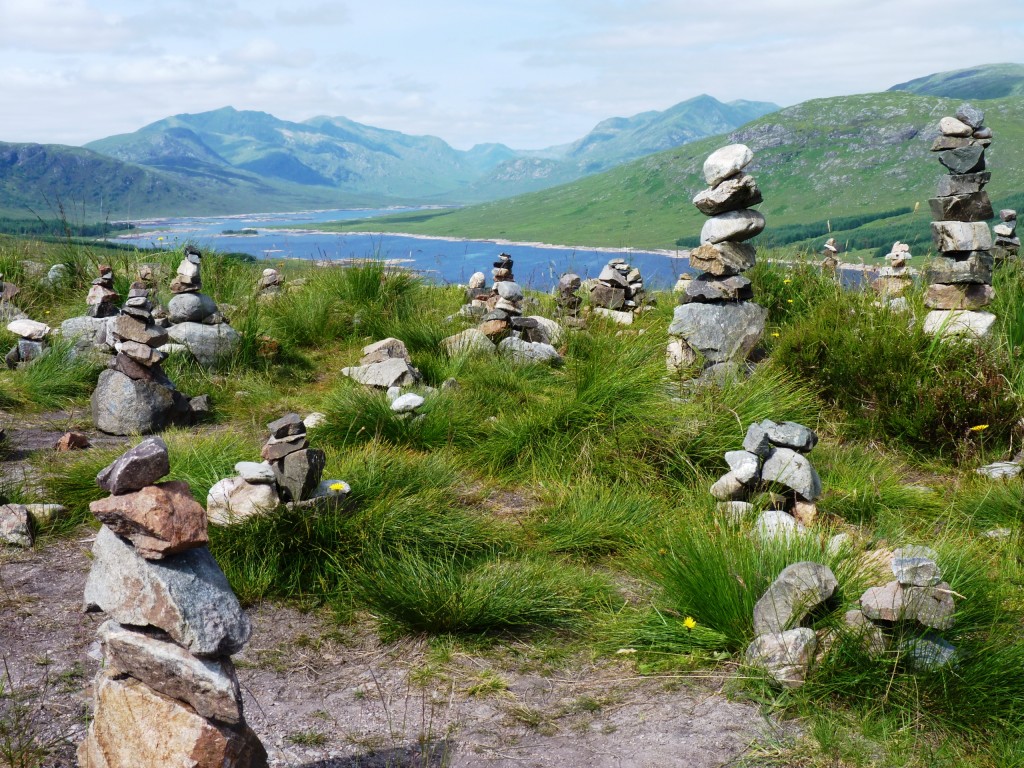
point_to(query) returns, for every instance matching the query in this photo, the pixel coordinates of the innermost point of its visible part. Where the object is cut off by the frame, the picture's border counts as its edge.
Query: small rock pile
(782, 647)
(270, 282)
(384, 364)
(960, 278)
(716, 316)
(618, 291)
(773, 457)
(503, 268)
(291, 472)
(917, 596)
(31, 342)
(102, 298)
(196, 322)
(567, 297)
(894, 279)
(1007, 244)
(167, 693)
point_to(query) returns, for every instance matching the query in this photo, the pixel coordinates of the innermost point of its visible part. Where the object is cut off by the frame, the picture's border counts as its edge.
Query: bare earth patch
(328, 696)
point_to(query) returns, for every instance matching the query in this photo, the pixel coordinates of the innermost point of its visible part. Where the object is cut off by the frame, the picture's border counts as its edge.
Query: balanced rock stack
(196, 323)
(917, 597)
(502, 269)
(567, 297)
(31, 342)
(960, 278)
(619, 288)
(270, 282)
(716, 316)
(782, 647)
(290, 472)
(894, 279)
(384, 364)
(773, 458)
(102, 298)
(167, 693)
(1007, 244)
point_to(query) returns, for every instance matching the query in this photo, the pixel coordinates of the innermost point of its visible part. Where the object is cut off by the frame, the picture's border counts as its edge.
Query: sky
(526, 73)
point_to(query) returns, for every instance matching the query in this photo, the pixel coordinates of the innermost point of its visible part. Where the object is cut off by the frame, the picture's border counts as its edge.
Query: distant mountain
(989, 81)
(40, 179)
(837, 159)
(325, 153)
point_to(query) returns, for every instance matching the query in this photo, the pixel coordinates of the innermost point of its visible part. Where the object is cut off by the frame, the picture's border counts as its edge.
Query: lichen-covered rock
(798, 590)
(786, 656)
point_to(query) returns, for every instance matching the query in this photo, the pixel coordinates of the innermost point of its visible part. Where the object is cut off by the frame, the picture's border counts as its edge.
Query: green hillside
(991, 81)
(850, 156)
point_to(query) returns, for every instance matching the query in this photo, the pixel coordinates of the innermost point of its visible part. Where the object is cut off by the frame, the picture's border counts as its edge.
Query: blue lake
(439, 260)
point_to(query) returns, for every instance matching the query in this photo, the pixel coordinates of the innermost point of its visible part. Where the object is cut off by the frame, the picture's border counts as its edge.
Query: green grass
(54, 380)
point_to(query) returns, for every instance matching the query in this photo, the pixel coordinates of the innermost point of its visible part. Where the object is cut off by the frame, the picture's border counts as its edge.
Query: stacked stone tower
(716, 316)
(167, 693)
(960, 278)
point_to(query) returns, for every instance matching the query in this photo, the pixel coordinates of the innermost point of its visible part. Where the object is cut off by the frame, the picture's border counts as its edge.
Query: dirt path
(325, 696)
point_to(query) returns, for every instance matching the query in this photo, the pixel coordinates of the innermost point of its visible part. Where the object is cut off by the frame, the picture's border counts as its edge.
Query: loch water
(437, 259)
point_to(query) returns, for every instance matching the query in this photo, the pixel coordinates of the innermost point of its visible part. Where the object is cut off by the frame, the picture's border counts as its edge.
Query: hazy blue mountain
(989, 81)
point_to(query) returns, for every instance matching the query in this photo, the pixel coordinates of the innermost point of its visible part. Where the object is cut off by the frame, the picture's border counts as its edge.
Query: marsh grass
(55, 379)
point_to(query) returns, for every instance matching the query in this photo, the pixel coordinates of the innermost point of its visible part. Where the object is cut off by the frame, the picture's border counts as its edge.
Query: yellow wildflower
(787, 281)
(340, 487)
(689, 622)
(776, 334)
(979, 428)
(789, 301)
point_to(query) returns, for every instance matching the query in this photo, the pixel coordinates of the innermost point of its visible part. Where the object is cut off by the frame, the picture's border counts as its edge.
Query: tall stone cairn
(503, 268)
(167, 693)
(134, 395)
(716, 316)
(960, 277)
(102, 298)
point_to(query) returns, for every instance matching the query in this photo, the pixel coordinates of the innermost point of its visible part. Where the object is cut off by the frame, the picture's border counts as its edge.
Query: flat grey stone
(407, 403)
(726, 162)
(720, 332)
(798, 590)
(289, 425)
(472, 341)
(927, 654)
(1000, 470)
(509, 290)
(707, 288)
(962, 184)
(971, 116)
(756, 440)
(916, 566)
(792, 470)
(394, 372)
(959, 323)
(733, 227)
(209, 344)
(519, 351)
(973, 206)
(975, 267)
(744, 465)
(730, 195)
(789, 434)
(138, 467)
(209, 686)
(969, 159)
(255, 472)
(185, 595)
(786, 656)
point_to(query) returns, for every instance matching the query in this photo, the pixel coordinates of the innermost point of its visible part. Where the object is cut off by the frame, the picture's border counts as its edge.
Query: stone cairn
(134, 395)
(270, 282)
(917, 597)
(31, 342)
(715, 316)
(196, 322)
(782, 647)
(167, 693)
(290, 473)
(830, 256)
(502, 327)
(1007, 244)
(102, 298)
(567, 298)
(773, 457)
(618, 292)
(960, 278)
(384, 364)
(893, 280)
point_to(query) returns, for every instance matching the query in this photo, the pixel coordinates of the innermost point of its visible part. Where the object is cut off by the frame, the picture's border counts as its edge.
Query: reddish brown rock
(72, 441)
(159, 520)
(135, 727)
